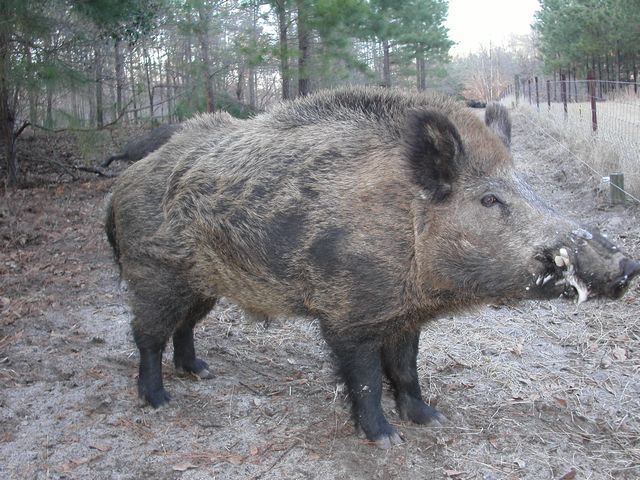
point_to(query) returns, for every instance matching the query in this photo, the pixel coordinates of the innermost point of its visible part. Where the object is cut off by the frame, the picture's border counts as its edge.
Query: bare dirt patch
(543, 390)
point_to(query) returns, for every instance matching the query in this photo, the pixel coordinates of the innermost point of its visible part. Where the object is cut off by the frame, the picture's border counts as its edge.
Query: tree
(601, 35)
(424, 36)
(25, 51)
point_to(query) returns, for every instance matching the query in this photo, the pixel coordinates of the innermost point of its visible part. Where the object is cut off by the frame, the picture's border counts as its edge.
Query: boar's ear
(497, 119)
(435, 150)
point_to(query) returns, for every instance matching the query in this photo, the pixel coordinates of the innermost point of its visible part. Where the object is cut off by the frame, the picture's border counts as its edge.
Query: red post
(592, 95)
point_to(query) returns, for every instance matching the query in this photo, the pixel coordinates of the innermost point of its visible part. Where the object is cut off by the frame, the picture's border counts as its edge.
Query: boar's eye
(489, 200)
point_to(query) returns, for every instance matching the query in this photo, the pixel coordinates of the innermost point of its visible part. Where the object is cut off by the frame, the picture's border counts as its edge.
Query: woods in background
(603, 36)
(91, 63)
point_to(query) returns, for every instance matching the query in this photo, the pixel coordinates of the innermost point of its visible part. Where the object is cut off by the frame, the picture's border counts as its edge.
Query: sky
(475, 23)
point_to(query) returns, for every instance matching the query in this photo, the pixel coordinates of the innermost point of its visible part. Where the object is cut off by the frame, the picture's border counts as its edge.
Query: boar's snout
(628, 270)
(586, 265)
(595, 267)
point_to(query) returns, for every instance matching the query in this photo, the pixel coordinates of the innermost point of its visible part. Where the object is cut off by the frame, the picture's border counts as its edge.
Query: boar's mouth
(560, 276)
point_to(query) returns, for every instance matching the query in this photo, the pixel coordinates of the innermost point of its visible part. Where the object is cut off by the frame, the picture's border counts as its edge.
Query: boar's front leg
(399, 358)
(360, 365)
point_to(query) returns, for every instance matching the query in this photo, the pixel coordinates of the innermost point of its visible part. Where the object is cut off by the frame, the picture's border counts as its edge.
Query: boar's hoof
(199, 368)
(155, 398)
(416, 411)
(384, 439)
(389, 441)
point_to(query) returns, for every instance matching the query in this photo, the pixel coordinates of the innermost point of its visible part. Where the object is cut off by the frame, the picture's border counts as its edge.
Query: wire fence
(602, 118)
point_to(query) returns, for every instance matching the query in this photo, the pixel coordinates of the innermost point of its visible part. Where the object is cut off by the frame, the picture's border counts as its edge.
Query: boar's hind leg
(184, 353)
(399, 357)
(170, 312)
(360, 366)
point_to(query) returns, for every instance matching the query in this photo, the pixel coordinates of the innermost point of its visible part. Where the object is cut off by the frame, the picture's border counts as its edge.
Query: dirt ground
(546, 390)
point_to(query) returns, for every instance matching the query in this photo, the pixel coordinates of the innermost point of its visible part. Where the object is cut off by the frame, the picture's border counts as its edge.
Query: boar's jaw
(570, 278)
(559, 277)
(568, 272)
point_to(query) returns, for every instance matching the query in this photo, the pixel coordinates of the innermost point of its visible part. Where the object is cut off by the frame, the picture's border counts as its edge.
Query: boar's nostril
(630, 268)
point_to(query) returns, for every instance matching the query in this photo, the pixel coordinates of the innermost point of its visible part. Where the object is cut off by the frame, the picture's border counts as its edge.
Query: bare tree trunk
(32, 91)
(421, 70)
(169, 89)
(203, 37)
(148, 73)
(386, 68)
(252, 88)
(119, 67)
(303, 47)
(98, 80)
(7, 116)
(48, 119)
(240, 84)
(134, 96)
(618, 65)
(285, 73)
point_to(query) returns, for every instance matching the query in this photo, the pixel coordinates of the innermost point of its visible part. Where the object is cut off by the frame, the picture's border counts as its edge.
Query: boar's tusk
(563, 259)
(581, 288)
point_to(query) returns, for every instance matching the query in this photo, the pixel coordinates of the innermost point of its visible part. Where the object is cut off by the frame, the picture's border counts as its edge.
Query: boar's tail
(110, 230)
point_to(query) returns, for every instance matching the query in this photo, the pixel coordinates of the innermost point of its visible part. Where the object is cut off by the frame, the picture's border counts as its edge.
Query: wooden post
(537, 95)
(529, 87)
(549, 94)
(563, 94)
(616, 188)
(592, 96)
(516, 82)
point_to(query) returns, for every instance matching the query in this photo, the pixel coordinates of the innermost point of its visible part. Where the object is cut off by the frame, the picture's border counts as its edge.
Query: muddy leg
(360, 366)
(399, 357)
(184, 355)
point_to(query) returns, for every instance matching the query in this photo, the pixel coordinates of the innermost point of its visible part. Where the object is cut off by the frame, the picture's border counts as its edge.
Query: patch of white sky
(474, 24)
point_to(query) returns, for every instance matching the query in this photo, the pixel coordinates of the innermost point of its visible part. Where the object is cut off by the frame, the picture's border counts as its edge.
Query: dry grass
(613, 149)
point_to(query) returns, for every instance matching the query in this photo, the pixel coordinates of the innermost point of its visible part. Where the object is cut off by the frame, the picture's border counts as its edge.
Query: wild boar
(142, 145)
(371, 210)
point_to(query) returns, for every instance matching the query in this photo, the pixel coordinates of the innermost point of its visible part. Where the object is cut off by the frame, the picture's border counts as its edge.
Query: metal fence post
(549, 94)
(592, 96)
(616, 188)
(563, 93)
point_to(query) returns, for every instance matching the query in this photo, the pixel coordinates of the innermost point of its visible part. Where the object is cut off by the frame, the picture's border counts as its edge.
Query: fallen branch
(96, 170)
(68, 169)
